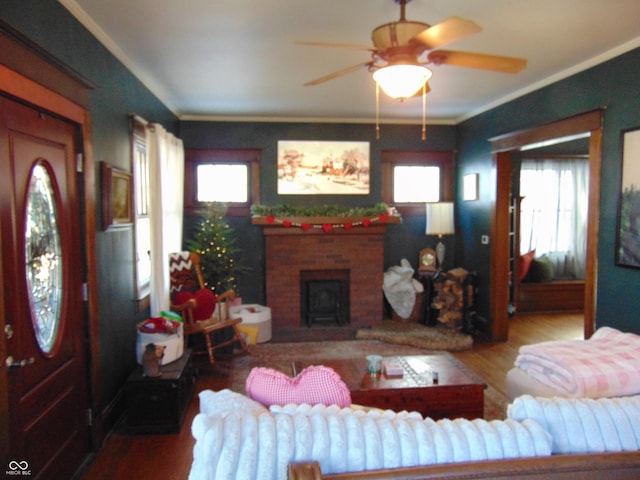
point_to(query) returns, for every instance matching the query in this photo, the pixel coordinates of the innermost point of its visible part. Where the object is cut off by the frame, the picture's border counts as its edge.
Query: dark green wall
(117, 93)
(614, 85)
(401, 241)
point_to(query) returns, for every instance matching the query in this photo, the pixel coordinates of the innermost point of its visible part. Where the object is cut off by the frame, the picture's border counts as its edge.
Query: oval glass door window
(43, 258)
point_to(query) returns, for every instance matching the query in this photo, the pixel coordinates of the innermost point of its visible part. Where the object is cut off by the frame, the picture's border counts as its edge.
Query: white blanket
(583, 425)
(400, 288)
(606, 365)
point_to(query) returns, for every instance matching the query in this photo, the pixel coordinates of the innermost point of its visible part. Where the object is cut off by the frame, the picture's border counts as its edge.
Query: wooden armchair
(203, 312)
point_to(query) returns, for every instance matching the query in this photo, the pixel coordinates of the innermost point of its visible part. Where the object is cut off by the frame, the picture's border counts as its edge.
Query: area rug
(280, 356)
(417, 335)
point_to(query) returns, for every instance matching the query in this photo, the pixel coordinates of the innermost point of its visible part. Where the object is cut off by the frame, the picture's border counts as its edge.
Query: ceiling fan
(402, 44)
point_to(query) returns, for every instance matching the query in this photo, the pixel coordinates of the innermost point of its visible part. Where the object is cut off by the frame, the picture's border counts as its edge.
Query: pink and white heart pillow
(313, 385)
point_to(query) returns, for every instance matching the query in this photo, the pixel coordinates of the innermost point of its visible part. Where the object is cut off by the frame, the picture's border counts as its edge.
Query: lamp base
(440, 251)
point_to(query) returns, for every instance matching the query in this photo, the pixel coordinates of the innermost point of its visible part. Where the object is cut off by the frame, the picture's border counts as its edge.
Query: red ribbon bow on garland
(327, 227)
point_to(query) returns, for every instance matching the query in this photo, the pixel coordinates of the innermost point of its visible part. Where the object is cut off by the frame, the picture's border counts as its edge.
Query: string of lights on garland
(327, 227)
(340, 217)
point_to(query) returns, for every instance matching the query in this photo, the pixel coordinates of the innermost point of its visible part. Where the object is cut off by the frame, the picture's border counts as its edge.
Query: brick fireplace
(292, 253)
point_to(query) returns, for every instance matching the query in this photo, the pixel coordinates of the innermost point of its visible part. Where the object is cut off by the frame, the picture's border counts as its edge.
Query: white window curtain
(553, 212)
(166, 194)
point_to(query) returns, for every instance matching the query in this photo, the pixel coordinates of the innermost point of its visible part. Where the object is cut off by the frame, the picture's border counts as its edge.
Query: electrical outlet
(484, 239)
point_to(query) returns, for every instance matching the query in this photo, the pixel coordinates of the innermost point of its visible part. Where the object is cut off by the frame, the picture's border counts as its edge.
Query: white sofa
(239, 438)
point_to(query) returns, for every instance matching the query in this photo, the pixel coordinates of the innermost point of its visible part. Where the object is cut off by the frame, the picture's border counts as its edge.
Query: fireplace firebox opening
(324, 297)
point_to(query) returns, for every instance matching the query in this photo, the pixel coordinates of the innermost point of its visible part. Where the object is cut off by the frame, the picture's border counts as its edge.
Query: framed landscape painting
(117, 200)
(307, 167)
(628, 244)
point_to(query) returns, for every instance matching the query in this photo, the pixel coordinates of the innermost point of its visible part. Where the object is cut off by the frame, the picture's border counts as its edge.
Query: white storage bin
(256, 316)
(174, 344)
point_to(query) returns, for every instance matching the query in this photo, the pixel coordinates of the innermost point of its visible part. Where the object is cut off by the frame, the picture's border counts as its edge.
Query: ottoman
(254, 315)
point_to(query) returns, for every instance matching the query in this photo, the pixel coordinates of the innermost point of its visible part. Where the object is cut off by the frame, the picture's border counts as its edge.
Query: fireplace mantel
(324, 225)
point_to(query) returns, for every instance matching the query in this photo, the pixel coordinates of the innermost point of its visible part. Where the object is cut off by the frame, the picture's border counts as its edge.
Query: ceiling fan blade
(339, 45)
(446, 32)
(478, 60)
(339, 73)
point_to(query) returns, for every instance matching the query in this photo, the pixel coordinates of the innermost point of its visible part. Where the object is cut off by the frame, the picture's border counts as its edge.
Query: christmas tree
(215, 243)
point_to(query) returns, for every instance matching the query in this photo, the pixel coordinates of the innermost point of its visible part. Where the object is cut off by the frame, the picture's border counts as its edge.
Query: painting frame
(323, 167)
(628, 225)
(117, 197)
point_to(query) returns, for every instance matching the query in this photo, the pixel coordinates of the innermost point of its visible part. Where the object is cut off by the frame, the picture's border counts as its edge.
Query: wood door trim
(582, 123)
(593, 223)
(31, 60)
(501, 148)
(499, 251)
(22, 88)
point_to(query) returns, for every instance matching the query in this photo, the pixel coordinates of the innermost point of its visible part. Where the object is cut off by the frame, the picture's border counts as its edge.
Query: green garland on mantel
(284, 211)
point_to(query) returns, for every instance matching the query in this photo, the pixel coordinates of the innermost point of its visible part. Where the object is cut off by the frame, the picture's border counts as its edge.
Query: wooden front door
(42, 275)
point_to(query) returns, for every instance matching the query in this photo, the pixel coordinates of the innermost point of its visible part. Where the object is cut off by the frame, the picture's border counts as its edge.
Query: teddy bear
(151, 359)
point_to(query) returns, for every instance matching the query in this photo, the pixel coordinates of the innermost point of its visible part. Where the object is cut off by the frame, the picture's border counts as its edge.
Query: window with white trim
(142, 221)
(222, 182)
(227, 176)
(411, 179)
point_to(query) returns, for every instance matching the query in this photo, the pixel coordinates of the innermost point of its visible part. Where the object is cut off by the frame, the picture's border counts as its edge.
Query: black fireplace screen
(325, 300)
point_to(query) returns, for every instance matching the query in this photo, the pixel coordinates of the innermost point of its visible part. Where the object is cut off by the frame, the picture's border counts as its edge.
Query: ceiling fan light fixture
(401, 81)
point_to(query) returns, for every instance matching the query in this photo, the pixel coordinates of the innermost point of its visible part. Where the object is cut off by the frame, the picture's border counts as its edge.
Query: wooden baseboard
(106, 420)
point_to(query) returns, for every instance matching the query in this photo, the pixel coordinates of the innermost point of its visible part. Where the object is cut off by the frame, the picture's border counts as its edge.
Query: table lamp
(440, 222)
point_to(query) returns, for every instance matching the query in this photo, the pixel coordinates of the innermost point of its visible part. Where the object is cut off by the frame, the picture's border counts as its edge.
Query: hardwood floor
(169, 456)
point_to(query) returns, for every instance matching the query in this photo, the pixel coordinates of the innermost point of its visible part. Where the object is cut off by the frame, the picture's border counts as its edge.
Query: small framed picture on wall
(117, 202)
(470, 187)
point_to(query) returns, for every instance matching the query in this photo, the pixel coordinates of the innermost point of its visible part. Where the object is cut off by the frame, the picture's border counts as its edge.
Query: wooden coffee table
(458, 393)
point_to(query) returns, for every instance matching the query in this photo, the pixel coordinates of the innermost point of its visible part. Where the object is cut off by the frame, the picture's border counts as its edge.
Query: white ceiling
(238, 60)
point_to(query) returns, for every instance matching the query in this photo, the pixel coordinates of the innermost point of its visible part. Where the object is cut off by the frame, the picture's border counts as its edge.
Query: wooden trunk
(158, 404)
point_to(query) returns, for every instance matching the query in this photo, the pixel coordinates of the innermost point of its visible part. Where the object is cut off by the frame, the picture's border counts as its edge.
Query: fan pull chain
(377, 111)
(424, 111)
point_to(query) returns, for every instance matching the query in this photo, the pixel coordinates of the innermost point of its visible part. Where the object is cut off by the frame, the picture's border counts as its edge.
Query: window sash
(249, 158)
(444, 160)
(142, 229)
(222, 182)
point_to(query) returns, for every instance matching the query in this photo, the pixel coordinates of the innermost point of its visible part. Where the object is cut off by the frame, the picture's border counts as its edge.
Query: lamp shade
(401, 81)
(440, 218)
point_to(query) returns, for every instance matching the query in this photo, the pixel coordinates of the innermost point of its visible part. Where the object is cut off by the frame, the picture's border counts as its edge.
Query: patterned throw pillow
(525, 263)
(313, 385)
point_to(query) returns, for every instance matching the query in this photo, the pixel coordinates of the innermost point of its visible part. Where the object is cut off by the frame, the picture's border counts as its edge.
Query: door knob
(8, 331)
(12, 362)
